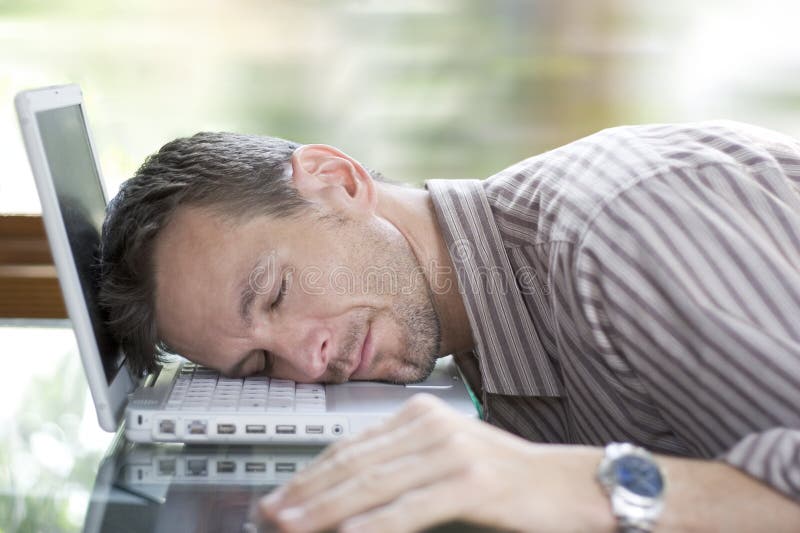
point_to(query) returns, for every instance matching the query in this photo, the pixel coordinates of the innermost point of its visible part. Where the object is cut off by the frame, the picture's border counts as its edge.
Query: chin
(411, 371)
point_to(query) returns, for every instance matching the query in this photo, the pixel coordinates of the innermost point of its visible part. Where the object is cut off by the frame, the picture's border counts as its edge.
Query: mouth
(366, 354)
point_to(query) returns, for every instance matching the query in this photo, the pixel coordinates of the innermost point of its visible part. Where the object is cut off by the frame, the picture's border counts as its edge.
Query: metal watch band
(635, 513)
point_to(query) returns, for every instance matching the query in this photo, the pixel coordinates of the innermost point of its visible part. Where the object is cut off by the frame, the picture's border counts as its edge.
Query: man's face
(306, 298)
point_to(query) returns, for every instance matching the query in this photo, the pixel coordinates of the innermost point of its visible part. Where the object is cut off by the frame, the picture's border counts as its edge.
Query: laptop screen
(82, 204)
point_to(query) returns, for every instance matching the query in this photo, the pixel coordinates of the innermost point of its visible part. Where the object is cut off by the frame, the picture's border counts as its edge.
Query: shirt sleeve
(692, 279)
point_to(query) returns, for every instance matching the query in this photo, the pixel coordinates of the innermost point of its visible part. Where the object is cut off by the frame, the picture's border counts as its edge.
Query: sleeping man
(625, 307)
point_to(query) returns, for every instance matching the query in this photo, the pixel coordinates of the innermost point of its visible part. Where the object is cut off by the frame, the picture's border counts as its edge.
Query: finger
(419, 434)
(373, 487)
(416, 407)
(419, 509)
(412, 438)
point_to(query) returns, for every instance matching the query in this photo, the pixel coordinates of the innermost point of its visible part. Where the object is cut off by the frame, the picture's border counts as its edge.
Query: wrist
(589, 508)
(634, 483)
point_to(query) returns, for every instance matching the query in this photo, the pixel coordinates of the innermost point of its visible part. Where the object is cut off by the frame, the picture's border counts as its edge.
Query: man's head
(249, 253)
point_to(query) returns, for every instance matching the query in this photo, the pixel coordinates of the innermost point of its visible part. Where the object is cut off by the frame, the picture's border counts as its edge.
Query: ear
(325, 175)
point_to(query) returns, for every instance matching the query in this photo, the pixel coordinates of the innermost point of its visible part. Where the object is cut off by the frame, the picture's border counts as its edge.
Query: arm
(690, 282)
(429, 465)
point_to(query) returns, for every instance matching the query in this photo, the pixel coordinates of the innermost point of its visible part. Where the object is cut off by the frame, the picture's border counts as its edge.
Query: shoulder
(554, 196)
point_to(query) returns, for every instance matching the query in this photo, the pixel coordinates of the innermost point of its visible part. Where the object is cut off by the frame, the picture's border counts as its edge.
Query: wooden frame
(28, 282)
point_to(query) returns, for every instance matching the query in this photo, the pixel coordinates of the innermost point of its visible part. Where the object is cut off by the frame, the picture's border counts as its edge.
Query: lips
(366, 355)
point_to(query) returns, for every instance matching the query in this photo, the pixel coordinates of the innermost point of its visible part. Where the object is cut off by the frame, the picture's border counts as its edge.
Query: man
(639, 285)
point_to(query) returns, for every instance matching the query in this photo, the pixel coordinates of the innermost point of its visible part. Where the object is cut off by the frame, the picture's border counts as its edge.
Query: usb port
(196, 467)
(255, 467)
(226, 467)
(285, 429)
(167, 426)
(197, 427)
(315, 430)
(255, 428)
(226, 429)
(285, 467)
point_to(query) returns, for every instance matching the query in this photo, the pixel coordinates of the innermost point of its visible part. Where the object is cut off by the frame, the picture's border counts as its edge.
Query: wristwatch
(635, 483)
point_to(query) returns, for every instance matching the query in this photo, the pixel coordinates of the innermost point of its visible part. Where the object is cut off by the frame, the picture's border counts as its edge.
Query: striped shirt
(641, 284)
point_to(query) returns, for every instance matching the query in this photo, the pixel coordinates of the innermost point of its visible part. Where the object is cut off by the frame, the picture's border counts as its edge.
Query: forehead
(198, 261)
(198, 245)
(201, 241)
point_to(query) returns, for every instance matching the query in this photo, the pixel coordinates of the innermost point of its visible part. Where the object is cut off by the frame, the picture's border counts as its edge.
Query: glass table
(176, 488)
(59, 472)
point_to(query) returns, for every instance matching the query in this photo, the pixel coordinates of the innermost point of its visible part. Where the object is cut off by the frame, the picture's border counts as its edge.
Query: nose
(305, 350)
(312, 357)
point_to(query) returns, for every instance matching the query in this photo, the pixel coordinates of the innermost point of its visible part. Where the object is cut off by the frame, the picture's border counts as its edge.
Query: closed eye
(279, 296)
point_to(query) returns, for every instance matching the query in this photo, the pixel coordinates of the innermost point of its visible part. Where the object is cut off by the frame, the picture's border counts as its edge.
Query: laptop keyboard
(199, 387)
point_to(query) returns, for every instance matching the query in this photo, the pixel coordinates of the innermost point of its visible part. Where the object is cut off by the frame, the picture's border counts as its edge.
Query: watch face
(639, 476)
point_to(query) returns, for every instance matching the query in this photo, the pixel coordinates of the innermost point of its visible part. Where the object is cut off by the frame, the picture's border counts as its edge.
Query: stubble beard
(422, 332)
(413, 311)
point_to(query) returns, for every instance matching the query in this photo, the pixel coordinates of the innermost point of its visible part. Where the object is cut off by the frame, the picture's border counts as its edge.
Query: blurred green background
(417, 89)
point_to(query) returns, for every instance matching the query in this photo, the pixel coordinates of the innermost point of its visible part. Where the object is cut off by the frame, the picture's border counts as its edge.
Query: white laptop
(182, 402)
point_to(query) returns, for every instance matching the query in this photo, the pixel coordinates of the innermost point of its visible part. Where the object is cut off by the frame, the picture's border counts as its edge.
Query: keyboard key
(201, 388)
(250, 406)
(281, 403)
(309, 409)
(279, 409)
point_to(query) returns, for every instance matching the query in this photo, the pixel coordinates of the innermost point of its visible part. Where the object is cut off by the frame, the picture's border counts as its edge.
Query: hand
(429, 464)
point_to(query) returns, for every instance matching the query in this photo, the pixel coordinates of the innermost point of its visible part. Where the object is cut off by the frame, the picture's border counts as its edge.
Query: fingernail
(352, 526)
(292, 514)
(270, 501)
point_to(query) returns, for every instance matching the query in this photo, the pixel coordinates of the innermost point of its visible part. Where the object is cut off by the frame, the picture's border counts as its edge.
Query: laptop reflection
(175, 488)
(179, 488)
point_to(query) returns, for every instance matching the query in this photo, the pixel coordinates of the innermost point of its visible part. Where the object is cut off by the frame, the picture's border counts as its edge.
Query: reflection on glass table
(177, 488)
(174, 488)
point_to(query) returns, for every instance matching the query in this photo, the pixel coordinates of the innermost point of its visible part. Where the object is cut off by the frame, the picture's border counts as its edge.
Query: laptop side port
(197, 427)
(285, 429)
(285, 467)
(196, 467)
(315, 430)
(167, 426)
(226, 467)
(166, 467)
(255, 428)
(226, 429)
(255, 467)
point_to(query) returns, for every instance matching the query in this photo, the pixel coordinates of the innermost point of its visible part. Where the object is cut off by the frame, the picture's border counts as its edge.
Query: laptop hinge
(150, 379)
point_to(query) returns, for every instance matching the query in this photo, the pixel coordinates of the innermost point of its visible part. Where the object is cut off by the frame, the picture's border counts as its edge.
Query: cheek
(310, 286)
(390, 335)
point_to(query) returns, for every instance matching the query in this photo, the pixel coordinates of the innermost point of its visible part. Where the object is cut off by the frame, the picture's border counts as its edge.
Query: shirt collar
(512, 358)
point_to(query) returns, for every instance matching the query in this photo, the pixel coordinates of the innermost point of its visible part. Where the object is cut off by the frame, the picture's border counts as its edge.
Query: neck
(411, 211)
